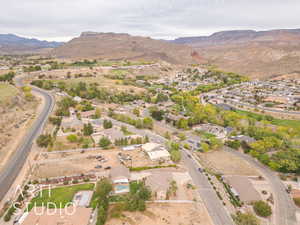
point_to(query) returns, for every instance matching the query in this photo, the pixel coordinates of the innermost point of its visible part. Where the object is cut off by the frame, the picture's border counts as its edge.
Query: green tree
(182, 124)
(157, 114)
(245, 219)
(262, 209)
(72, 138)
(97, 113)
(174, 149)
(88, 129)
(147, 123)
(44, 140)
(104, 142)
(175, 156)
(205, 147)
(234, 144)
(136, 112)
(107, 124)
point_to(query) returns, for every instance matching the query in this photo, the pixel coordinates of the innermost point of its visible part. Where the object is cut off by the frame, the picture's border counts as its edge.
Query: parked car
(98, 167)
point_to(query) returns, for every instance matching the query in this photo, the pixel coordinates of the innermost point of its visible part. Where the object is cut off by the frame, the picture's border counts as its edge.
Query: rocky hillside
(112, 46)
(260, 54)
(13, 44)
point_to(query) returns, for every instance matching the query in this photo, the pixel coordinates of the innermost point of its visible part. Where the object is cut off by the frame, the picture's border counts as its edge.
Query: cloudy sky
(64, 19)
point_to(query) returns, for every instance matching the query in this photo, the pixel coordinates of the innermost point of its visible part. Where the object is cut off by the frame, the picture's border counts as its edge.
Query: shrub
(107, 124)
(72, 138)
(9, 214)
(262, 209)
(297, 201)
(104, 142)
(44, 140)
(245, 218)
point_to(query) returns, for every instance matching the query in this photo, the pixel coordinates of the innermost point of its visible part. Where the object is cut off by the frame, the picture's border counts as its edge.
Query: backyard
(60, 196)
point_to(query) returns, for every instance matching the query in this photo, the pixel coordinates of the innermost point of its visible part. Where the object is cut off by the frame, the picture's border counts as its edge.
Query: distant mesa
(120, 46)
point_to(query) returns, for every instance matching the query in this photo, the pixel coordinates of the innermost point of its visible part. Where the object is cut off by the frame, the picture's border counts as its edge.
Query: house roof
(243, 138)
(113, 133)
(71, 122)
(88, 113)
(119, 172)
(154, 155)
(148, 147)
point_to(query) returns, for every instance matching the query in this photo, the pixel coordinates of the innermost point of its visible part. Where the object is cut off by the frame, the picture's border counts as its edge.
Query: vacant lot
(104, 82)
(62, 143)
(59, 196)
(7, 92)
(166, 214)
(227, 163)
(67, 164)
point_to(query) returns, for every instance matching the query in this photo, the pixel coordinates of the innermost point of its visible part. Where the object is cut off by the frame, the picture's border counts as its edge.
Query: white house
(156, 151)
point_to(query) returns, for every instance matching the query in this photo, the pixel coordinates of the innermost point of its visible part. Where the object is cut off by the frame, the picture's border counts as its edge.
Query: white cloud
(63, 19)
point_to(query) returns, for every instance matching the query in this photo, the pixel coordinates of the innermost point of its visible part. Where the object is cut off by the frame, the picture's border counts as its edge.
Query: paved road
(214, 206)
(14, 166)
(285, 210)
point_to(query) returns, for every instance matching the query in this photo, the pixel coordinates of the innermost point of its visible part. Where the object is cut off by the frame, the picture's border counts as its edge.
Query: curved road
(17, 161)
(285, 210)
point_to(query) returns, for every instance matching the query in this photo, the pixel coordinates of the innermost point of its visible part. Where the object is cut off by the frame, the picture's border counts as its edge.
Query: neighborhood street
(214, 206)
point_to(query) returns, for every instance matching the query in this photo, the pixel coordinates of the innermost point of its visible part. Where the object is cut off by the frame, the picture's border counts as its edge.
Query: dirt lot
(16, 116)
(62, 143)
(66, 164)
(228, 164)
(161, 214)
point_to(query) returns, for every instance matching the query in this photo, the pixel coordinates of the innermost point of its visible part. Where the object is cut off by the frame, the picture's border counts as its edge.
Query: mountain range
(13, 44)
(258, 54)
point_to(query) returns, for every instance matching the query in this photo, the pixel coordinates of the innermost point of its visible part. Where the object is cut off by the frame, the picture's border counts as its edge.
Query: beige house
(156, 152)
(72, 123)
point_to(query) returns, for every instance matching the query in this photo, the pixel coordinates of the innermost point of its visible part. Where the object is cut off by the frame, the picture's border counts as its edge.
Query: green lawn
(274, 121)
(7, 91)
(59, 196)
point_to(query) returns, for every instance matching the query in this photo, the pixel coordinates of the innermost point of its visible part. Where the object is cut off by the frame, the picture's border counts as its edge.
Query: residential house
(88, 114)
(71, 123)
(156, 152)
(120, 178)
